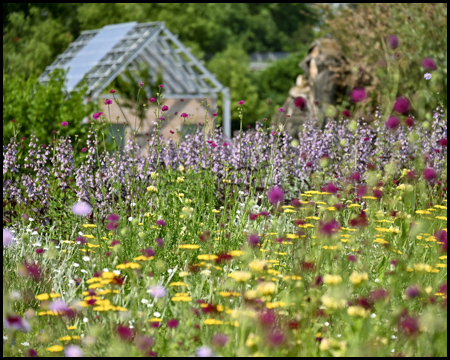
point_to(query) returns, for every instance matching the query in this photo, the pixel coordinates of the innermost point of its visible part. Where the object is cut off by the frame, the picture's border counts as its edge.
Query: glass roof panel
(97, 47)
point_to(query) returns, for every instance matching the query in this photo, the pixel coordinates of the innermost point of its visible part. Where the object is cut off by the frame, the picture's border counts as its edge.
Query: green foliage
(30, 43)
(41, 108)
(255, 27)
(34, 34)
(421, 29)
(274, 82)
(231, 68)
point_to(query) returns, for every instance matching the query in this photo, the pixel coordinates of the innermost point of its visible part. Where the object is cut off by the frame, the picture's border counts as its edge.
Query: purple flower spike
(161, 222)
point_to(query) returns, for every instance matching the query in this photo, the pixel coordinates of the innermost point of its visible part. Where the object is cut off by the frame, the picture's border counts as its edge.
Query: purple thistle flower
(64, 123)
(112, 91)
(429, 174)
(152, 99)
(409, 122)
(329, 228)
(148, 252)
(124, 332)
(429, 64)
(253, 240)
(81, 240)
(161, 86)
(409, 325)
(378, 294)
(31, 353)
(157, 291)
(15, 322)
(172, 323)
(296, 203)
(144, 343)
(393, 122)
(412, 292)
(161, 222)
(275, 195)
(159, 242)
(82, 208)
(184, 115)
(162, 118)
(402, 105)
(8, 237)
(358, 95)
(241, 102)
(281, 110)
(219, 340)
(112, 217)
(108, 102)
(331, 188)
(112, 225)
(215, 114)
(165, 108)
(276, 338)
(267, 317)
(300, 102)
(141, 84)
(392, 41)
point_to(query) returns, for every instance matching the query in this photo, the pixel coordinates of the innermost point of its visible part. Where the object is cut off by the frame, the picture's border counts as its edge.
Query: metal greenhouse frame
(101, 55)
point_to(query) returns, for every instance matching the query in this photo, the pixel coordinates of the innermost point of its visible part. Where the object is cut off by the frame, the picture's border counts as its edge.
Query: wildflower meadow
(334, 244)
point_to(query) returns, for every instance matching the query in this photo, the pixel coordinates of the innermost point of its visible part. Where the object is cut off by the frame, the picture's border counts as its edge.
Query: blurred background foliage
(421, 29)
(223, 36)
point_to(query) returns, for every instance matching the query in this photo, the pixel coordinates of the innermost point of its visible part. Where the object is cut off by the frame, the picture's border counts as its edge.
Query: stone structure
(328, 74)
